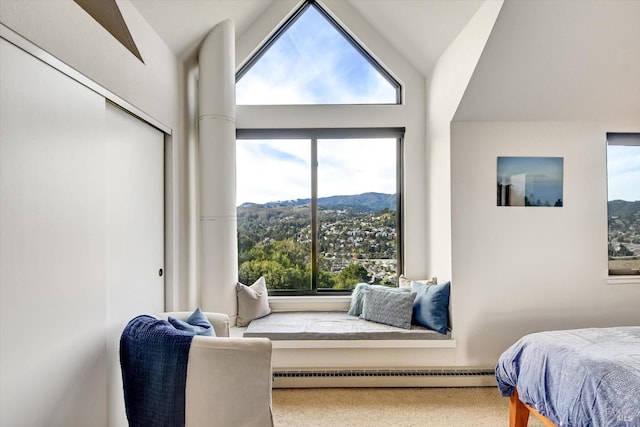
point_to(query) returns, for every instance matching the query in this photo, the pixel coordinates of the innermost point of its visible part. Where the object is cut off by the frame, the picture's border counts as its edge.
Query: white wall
(518, 270)
(445, 87)
(558, 60)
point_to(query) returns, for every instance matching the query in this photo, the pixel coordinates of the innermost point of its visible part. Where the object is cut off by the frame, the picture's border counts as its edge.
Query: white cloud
(355, 166)
(623, 165)
(312, 64)
(265, 177)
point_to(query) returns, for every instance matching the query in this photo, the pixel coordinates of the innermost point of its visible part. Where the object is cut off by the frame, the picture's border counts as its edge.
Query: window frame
(313, 135)
(620, 276)
(244, 68)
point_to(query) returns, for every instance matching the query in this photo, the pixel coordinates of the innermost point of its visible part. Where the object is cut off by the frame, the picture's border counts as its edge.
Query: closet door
(135, 233)
(135, 214)
(52, 247)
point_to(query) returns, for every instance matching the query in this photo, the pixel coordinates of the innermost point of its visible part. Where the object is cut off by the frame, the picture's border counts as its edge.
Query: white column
(217, 163)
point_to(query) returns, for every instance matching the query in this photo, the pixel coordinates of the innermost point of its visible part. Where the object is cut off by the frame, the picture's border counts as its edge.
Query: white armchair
(228, 379)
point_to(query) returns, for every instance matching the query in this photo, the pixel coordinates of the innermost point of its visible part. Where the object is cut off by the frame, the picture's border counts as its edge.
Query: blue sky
(623, 164)
(312, 63)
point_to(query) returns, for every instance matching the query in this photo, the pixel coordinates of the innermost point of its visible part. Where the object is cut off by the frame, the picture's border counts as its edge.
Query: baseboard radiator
(385, 378)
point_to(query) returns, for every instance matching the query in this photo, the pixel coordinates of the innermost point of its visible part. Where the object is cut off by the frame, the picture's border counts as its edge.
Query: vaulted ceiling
(183, 24)
(419, 29)
(544, 60)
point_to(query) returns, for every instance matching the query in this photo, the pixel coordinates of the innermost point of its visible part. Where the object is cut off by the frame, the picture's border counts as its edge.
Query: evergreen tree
(350, 276)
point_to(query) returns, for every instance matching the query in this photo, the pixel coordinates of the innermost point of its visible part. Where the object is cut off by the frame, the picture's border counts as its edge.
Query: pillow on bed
(253, 301)
(355, 308)
(196, 323)
(390, 308)
(431, 306)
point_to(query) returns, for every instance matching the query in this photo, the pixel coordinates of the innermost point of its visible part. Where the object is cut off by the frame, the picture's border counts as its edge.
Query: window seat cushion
(333, 325)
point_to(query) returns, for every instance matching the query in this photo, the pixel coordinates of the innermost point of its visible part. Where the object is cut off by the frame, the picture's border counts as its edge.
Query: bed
(582, 377)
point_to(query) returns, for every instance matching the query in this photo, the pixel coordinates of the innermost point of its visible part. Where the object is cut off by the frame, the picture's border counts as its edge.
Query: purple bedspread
(583, 377)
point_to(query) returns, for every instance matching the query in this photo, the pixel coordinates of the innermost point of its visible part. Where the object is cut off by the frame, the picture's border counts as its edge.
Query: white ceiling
(420, 29)
(559, 60)
(183, 24)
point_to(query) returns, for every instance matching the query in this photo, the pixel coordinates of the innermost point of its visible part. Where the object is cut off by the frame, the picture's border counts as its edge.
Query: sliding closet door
(135, 233)
(135, 214)
(52, 247)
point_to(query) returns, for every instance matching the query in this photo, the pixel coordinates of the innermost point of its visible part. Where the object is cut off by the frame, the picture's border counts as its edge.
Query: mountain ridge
(622, 207)
(365, 202)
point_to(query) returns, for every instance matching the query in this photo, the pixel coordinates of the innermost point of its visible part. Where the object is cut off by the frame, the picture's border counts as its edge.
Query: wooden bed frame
(519, 413)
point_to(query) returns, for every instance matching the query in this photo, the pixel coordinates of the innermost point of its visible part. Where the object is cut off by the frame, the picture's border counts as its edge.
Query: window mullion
(399, 205)
(314, 214)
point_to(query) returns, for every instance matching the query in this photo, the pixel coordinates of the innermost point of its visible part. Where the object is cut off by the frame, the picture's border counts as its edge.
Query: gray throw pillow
(355, 308)
(253, 301)
(390, 308)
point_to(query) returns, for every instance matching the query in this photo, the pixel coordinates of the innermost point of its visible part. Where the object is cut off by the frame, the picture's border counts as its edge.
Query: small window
(623, 180)
(311, 59)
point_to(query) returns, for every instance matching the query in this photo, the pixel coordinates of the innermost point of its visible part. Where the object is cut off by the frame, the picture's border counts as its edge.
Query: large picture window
(623, 173)
(318, 210)
(319, 213)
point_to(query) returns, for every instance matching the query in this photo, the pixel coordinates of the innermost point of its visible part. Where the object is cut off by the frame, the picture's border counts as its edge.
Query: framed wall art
(530, 181)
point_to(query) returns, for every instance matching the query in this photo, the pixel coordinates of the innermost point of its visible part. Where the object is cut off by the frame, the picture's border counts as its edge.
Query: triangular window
(312, 60)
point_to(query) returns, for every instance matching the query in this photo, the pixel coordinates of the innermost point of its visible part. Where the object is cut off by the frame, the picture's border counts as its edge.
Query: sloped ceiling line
(107, 14)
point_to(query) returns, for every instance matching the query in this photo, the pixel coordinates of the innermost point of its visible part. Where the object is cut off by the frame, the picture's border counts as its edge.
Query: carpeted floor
(392, 407)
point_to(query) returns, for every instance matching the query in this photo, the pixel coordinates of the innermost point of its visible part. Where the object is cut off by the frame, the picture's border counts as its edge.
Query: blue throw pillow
(196, 323)
(390, 308)
(431, 306)
(355, 309)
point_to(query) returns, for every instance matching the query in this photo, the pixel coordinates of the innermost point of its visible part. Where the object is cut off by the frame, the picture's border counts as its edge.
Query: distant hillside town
(356, 241)
(624, 236)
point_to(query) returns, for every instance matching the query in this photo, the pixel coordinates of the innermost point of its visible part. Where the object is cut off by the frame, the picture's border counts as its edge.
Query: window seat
(336, 326)
(335, 341)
